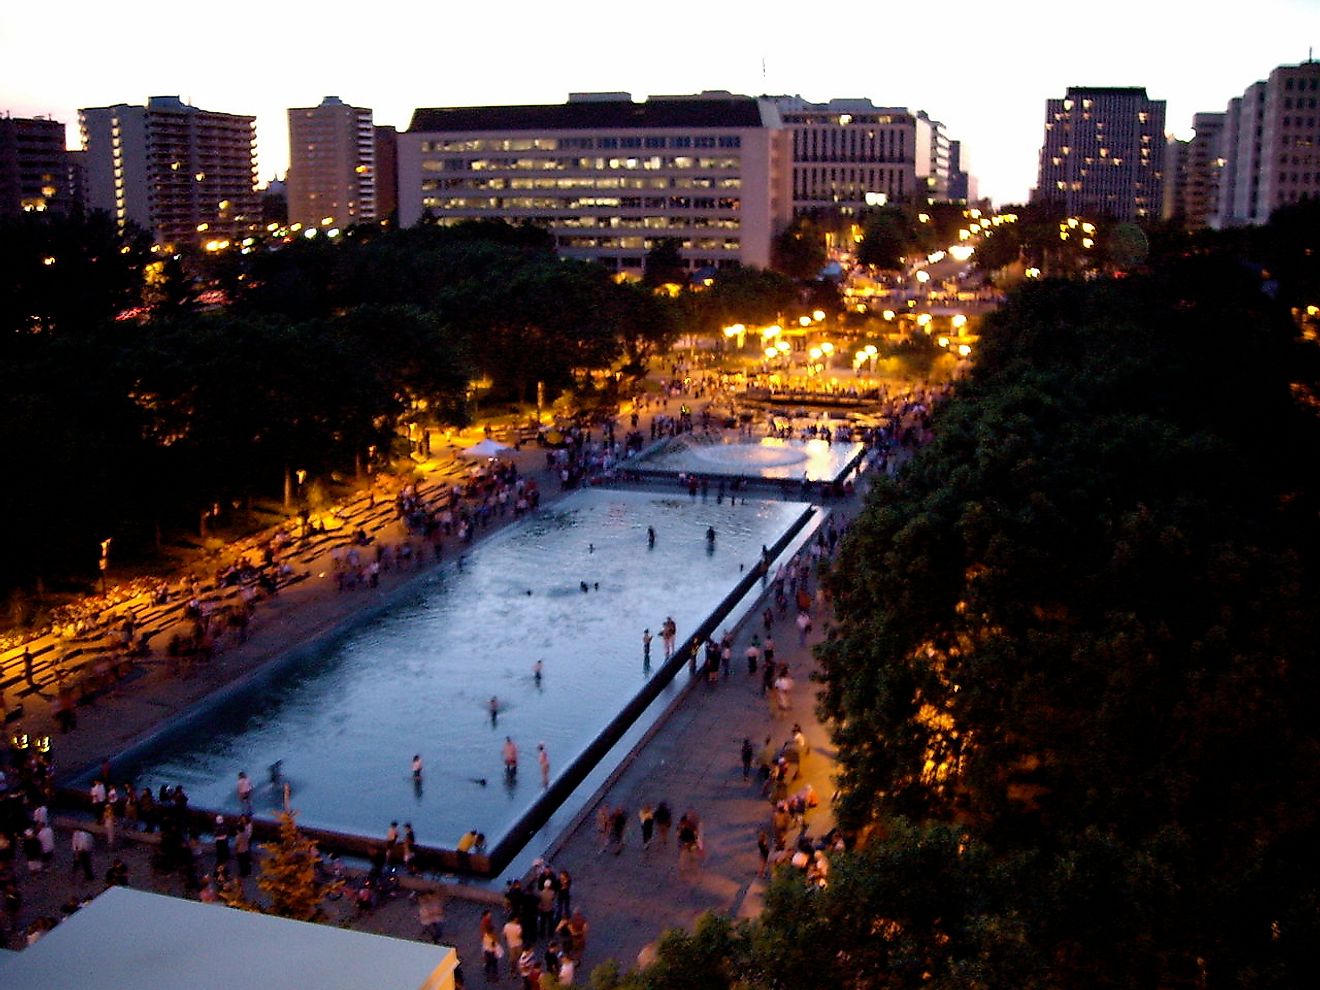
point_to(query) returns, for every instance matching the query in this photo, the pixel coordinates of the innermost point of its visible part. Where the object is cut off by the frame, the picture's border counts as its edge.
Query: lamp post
(105, 560)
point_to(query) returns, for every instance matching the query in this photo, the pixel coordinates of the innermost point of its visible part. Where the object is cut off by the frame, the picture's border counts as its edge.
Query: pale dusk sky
(985, 69)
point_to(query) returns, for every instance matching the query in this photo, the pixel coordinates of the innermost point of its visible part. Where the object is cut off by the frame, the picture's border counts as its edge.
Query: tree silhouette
(288, 877)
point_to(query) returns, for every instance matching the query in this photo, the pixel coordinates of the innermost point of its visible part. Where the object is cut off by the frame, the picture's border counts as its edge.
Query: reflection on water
(770, 458)
(449, 673)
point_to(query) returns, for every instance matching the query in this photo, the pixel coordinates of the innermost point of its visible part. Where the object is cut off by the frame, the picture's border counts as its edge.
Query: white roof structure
(129, 938)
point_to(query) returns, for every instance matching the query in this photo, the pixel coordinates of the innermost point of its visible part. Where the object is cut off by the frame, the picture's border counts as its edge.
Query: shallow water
(419, 678)
(769, 458)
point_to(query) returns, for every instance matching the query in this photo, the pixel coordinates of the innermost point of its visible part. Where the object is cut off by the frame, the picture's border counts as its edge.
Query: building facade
(1269, 148)
(607, 176)
(387, 171)
(849, 154)
(332, 165)
(1103, 153)
(187, 176)
(34, 166)
(1175, 179)
(1192, 173)
(962, 183)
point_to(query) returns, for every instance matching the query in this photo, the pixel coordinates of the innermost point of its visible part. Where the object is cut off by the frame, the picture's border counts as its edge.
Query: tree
(288, 877)
(646, 323)
(748, 295)
(664, 264)
(888, 235)
(66, 275)
(799, 250)
(1051, 625)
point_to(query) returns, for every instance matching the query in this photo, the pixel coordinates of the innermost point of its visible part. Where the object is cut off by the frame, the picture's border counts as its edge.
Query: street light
(105, 560)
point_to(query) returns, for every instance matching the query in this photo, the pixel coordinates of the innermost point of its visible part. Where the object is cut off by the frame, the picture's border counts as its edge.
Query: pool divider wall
(73, 791)
(787, 487)
(522, 831)
(201, 821)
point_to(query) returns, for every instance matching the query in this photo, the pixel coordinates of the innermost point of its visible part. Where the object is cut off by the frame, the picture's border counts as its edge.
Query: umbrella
(486, 448)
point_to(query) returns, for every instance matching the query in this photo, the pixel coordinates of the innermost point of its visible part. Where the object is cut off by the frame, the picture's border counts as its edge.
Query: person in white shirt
(81, 844)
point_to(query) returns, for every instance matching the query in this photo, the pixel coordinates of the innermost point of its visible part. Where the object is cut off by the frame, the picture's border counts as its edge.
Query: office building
(607, 176)
(332, 165)
(34, 167)
(1269, 149)
(848, 154)
(1103, 153)
(187, 176)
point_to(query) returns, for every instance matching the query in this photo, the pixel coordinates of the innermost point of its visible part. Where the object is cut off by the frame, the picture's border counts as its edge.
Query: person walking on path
(689, 838)
(763, 848)
(431, 914)
(783, 689)
(663, 819)
(513, 939)
(577, 929)
(618, 824)
(747, 754)
(81, 845)
(647, 817)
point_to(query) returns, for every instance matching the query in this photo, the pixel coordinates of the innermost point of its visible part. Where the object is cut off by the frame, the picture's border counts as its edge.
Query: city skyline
(986, 73)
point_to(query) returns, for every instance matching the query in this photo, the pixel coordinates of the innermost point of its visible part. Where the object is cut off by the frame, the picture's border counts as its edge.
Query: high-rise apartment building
(962, 183)
(848, 154)
(1175, 179)
(1103, 153)
(609, 177)
(1269, 149)
(185, 175)
(1192, 172)
(387, 171)
(34, 168)
(332, 165)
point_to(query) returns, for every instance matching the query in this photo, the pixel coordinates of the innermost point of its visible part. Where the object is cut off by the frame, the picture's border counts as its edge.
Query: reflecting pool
(769, 458)
(344, 719)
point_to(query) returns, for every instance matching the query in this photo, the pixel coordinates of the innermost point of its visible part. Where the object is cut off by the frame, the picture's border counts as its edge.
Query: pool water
(769, 458)
(345, 719)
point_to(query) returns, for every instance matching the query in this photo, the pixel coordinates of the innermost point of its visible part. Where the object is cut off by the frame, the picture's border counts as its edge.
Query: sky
(983, 67)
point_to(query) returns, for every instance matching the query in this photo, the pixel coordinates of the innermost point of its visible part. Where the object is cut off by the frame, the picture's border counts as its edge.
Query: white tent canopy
(486, 448)
(129, 938)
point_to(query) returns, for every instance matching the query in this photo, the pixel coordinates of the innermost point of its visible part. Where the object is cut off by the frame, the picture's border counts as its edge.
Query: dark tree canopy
(1073, 680)
(1086, 624)
(664, 264)
(799, 251)
(323, 348)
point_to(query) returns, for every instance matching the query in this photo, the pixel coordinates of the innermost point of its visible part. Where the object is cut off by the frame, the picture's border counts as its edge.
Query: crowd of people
(542, 932)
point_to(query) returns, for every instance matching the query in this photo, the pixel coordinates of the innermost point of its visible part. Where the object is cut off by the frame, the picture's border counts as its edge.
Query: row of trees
(1074, 677)
(147, 393)
(131, 407)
